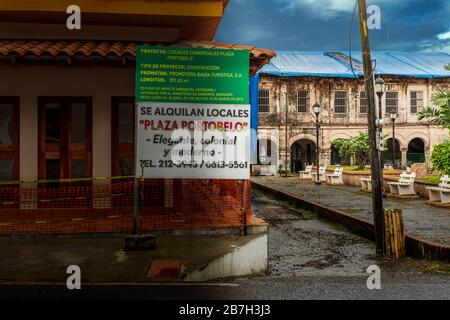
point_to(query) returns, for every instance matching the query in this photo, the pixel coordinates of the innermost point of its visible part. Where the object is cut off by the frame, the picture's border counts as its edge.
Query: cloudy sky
(406, 25)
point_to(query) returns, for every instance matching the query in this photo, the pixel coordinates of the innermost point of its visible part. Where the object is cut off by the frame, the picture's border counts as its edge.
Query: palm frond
(439, 113)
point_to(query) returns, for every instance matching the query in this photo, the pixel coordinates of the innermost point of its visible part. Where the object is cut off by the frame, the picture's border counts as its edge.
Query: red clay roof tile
(259, 57)
(74, 48)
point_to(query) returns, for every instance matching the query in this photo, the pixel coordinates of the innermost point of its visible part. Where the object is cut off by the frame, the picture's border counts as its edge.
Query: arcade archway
(416, 151)
(303, 152)
(267, 152)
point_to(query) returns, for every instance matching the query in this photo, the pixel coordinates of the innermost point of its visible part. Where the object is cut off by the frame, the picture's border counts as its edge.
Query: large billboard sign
(193, 113)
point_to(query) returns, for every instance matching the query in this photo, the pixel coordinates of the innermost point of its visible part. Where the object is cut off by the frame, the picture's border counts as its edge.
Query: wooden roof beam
(192, 8)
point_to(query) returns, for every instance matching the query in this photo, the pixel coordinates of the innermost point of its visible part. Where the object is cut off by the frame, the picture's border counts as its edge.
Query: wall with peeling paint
(333, 126)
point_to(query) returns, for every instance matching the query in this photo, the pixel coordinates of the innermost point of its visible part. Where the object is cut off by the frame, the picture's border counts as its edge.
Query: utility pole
(377, 193)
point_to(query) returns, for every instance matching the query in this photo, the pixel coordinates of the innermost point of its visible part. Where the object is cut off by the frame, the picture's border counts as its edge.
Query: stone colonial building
(298, 80)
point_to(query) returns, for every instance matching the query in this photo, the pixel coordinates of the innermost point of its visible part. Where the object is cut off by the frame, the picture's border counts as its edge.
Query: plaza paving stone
(420, 219)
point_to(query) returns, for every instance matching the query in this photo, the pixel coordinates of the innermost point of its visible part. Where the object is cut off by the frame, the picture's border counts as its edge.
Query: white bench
(366, 184)
(322, 171)
(442, 193)
(306, 174)
(335, 179)
(404, 187)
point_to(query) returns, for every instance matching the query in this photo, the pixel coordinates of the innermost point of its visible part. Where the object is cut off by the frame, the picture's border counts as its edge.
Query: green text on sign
(189, 75)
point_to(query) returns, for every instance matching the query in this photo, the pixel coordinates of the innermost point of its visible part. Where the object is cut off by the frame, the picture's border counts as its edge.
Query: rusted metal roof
(91, 49)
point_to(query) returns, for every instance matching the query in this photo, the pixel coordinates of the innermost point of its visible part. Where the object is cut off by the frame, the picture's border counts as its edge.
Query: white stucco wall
(251, 258)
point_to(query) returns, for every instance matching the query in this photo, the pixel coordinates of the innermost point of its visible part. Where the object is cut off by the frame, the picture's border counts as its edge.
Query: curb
(416, 247)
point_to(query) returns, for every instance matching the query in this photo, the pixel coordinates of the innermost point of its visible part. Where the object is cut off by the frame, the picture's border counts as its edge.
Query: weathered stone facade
(301, 130)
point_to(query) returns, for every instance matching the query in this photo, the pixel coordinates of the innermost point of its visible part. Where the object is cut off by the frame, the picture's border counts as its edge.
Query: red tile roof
(20, 48)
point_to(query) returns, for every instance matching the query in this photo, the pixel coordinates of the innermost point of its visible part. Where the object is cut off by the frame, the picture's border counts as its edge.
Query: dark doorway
(416, 151)
(303, 152)
(9, 138)
(389, 151)
(264, 152)
(65, 138)
(122, 135)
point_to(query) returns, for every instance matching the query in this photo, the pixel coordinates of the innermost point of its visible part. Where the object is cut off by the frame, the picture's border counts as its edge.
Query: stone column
(325, 156)
(283, 156)
(283, 153)
(404, 156)
(427, 156)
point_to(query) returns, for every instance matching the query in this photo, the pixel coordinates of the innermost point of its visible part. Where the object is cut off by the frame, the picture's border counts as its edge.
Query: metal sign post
(141, 180)
(244, 208)
(136, 228)
(138, 241)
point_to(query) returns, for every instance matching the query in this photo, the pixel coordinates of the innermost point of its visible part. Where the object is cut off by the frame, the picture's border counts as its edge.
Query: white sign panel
(198, 141)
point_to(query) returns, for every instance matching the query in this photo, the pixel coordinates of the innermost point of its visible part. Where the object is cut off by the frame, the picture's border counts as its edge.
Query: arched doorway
(303, 152)
(266, 152)
(387, 154)
(416, 151)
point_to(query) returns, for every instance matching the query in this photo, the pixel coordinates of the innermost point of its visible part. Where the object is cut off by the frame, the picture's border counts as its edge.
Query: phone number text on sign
(193, 141)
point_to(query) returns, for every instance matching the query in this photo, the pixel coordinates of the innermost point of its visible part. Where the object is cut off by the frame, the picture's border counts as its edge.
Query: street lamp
(286, 137)
(316, 109)
(393, 118)
(380, 88)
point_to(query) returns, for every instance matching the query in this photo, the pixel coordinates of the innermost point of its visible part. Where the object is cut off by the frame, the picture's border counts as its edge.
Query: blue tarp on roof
(296, 63)
(337, 64)
(432, 63)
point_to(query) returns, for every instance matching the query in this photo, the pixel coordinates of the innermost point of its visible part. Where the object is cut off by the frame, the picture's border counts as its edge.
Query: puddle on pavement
(299, 243)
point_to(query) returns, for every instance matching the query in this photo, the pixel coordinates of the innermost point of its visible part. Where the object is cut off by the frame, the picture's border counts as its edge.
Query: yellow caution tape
(15, 223)
(66, 180)
(34, 201)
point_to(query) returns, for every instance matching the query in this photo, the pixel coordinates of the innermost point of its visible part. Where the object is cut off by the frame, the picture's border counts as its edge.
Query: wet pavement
(393, 287)
(309, 258)
(301, 244)
(103, 260)
(420, 219)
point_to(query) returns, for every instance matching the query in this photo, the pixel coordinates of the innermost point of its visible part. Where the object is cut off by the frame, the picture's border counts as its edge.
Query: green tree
(441, 157)
(342, 146)
(439, 113)
(356, 149)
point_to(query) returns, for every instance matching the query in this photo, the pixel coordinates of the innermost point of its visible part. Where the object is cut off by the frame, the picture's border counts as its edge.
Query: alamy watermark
(74, 280)
(374, 17)
(374, 280)
(74, 20)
